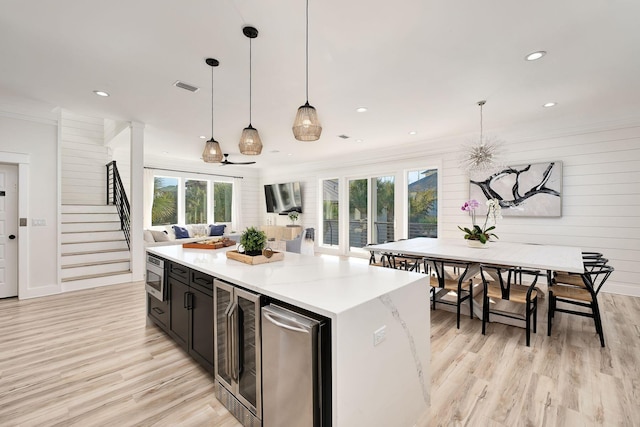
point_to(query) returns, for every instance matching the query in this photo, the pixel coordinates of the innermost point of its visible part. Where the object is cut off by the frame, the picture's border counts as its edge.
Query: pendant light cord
(211, 102)
(481, 123)
(249, 81)
(481, 104)
(307, 52)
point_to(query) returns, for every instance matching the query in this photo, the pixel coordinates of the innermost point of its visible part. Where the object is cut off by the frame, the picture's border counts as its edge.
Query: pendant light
(307, 127)
(212, 152)
(482, 155)
(250, 142)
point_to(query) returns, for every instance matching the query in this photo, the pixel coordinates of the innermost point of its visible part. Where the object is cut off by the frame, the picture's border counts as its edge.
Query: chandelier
(481, 155)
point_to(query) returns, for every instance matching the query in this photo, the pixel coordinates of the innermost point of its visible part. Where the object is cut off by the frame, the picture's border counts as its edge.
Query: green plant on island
(253, 241)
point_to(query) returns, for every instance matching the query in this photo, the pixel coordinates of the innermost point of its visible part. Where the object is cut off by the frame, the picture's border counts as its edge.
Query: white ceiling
(418, 65)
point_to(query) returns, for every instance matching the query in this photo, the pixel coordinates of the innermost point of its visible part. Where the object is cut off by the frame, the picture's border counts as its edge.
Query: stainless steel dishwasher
(292, 376)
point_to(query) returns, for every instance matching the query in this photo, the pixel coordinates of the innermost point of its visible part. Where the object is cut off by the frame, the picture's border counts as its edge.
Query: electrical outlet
(379, 335)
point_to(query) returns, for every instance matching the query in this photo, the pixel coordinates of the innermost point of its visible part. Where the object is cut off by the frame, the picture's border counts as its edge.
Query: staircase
(94, 250)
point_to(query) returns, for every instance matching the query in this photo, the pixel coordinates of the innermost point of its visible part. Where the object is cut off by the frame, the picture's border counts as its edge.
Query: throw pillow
(199, 230)
(159, 236)
(148, 237)
(216, 230)
(181, 232)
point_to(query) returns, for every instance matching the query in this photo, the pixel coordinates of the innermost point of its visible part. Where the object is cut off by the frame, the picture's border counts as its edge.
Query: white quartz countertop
(324, 284)
(539, 257)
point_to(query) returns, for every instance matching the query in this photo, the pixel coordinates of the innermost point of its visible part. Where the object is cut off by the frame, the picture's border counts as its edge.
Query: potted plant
(253, 241)
(478, 236)
(293, 216)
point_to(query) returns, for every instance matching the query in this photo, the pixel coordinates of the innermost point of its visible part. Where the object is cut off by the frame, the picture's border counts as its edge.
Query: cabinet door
(248, 350)
(179, 321)
(223, 304)
(201, 331)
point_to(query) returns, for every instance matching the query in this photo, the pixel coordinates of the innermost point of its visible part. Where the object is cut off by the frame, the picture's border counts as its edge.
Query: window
(165, 201)
(371, 210)
(330, 205)
(422, 193)
(222, 193)
(195, 198)
(382, 204)
(181, 200)
(358, 223)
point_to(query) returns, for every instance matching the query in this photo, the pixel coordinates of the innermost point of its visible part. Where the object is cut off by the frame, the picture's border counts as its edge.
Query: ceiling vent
(343, 136)
(186, 86)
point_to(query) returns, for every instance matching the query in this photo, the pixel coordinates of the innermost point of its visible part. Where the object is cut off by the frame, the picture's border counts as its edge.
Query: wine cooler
(237, 352)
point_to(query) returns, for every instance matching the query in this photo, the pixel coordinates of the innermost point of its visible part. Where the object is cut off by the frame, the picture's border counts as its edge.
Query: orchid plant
(484, 233)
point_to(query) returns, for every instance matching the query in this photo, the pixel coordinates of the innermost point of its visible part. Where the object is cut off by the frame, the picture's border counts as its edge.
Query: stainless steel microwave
(155, 280)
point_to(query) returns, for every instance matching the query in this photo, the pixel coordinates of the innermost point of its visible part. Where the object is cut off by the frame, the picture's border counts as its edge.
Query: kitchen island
(373, 385)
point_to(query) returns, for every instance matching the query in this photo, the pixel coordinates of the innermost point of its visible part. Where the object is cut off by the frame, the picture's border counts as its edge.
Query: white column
(137, 200)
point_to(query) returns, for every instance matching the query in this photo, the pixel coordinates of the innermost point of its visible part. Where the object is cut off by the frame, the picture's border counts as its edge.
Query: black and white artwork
(524, 190)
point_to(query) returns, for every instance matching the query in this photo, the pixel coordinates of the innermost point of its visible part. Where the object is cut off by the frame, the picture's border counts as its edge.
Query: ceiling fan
(227, 162)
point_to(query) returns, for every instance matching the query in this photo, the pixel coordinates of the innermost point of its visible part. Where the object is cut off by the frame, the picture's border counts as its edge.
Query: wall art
(525, 190)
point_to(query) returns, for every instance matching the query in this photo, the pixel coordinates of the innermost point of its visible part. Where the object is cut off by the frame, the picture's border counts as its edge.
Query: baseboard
(621, 289)
(40, 291)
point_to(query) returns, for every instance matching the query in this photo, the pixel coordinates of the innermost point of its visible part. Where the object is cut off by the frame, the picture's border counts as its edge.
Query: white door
(8, 231)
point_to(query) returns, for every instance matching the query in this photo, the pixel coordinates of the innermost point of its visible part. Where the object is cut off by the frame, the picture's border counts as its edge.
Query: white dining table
(546, 258)
(532, 256)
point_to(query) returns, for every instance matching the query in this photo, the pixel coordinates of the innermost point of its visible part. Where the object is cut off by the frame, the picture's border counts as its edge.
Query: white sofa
(162, 236)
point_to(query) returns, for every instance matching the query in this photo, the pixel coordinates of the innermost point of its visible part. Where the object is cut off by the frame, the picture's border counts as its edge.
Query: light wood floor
(88, 358)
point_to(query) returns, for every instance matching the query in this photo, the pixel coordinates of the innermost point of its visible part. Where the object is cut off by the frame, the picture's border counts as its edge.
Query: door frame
(22, 161)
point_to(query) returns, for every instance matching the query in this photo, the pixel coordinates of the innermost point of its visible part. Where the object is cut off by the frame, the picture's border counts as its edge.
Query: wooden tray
(254, 260)
(209, 244)
(203, 245)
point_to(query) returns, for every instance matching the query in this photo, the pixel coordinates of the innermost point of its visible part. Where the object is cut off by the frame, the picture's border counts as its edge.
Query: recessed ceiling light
(550, 104)
(165, 152)
(361, 109)
(535, 55)
(413, 132)
(274, 151)
(358, 140)
(202, 137)
(289, 154)
(100, 93)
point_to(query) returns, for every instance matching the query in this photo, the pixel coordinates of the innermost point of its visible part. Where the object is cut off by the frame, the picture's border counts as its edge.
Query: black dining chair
(579, 290)
(449, 277)
(514, 284)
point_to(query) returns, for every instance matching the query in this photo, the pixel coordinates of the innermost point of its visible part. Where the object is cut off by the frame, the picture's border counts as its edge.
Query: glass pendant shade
(306, 126)
(212, 152)
(250, 142)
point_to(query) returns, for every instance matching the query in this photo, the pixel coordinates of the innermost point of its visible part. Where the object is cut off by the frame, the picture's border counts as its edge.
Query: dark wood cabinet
(180, 316)
(158, 312)
(201, 327)
(190, 308)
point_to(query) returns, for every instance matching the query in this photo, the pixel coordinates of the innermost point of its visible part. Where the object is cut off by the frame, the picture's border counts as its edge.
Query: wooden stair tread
(94, 241)
(96, 263)
(101, 251)
(93, 276)
(91, 231)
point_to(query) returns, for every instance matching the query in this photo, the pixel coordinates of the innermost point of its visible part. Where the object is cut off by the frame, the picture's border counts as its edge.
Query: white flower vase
(477, 244)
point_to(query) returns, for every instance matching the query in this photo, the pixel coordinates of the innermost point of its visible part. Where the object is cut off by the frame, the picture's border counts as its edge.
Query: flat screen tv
(283, 198)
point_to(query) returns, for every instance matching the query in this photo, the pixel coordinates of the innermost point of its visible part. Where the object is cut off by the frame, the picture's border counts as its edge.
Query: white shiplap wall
(600, 200)
(83, 160)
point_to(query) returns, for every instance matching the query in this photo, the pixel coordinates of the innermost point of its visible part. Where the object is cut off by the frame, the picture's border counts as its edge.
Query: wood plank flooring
(88, 358)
